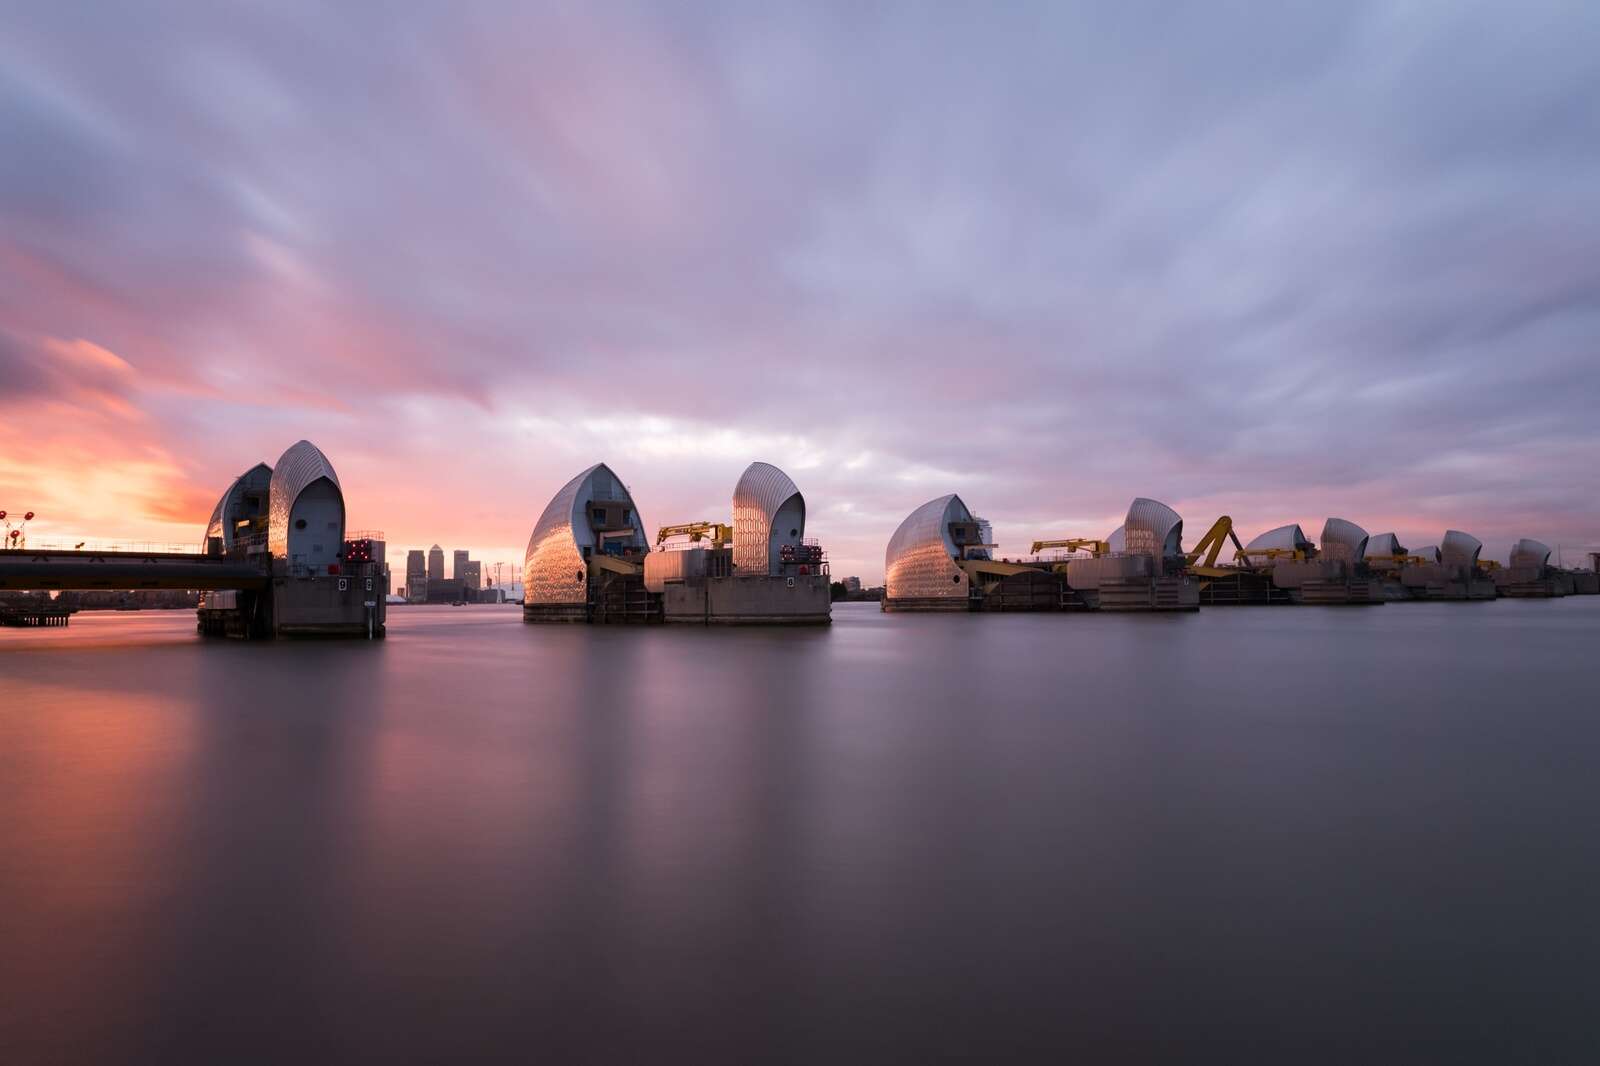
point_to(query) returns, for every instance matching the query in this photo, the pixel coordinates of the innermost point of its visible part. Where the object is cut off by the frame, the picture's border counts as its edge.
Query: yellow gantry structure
(1270, 554)
(1072, 544)
(1210, 546)
(721, 535)
(1395, 562)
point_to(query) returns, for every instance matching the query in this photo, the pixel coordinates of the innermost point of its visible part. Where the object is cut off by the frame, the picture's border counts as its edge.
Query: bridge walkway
(52, 569)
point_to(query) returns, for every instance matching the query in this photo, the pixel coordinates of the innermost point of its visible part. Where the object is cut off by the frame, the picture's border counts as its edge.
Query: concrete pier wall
(749, 601)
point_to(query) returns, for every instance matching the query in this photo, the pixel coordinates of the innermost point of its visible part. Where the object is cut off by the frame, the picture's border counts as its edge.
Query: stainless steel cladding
(1459, 549)
(1384, 544)
(1343, 542)
(555, 568)
(303, 476)
(1284, 538)
(768, 512)
(233, 508)
(1429, 554)
(920, 562)
(1089, 574)
(1117, 540)
(1530, 553)
(663, 568)
(1154, 529)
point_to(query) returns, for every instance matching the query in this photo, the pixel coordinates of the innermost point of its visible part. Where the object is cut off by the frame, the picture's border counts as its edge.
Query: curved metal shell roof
(258, 477)
(1343, 541)
(1459, 549)
(1430, 553)
(1284, 538)
(1384, 544)
(1117, 540)
(920, 562)
(763, 490)
(296, 470)
(553, 568)
(1527, 552)
(1152, 528)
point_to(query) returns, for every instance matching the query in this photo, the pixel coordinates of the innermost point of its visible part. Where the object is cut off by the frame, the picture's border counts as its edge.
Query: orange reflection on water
(92, 805)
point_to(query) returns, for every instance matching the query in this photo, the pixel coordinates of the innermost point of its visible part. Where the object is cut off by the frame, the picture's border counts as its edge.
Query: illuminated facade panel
(1283, 538)
(1459, 549)
(768, 513)
(305, 520)
(1154, 529)
(1384, 544)
(921, 560)
(555, 569)
(241, 507)
(1343, 541)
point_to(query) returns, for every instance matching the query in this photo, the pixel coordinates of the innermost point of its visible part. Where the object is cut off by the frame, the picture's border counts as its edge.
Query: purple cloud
(1282, 262)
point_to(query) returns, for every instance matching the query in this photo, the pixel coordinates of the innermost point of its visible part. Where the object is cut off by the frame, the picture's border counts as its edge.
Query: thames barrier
(274, 559)
(943, 558)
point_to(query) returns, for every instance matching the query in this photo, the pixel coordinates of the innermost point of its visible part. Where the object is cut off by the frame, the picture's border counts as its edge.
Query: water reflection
(93, 817)
(900, 834)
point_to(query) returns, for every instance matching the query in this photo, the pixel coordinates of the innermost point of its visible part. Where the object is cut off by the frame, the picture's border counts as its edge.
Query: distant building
(852, 584)
(470, 572)
(416, 577)
(445, 590)
(435, 563)
(459, 568)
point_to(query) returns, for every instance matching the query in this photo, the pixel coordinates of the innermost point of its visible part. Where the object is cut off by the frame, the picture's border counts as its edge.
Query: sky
(1280, 261)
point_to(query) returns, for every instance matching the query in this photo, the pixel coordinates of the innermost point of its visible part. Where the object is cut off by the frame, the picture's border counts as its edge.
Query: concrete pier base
(1150, 594)
(1352, 593)
(555, 613)
(944, 604)
(804, 600)
(1248, 589)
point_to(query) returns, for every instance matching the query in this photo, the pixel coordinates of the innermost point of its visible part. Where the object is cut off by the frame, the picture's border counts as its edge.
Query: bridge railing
(134, 546)
(344, 570)
(250, 545)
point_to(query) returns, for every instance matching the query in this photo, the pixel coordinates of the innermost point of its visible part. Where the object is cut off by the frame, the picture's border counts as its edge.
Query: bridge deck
(27, 569)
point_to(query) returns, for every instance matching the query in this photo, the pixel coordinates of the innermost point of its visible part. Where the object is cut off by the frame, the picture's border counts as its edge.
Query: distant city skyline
(424, 579)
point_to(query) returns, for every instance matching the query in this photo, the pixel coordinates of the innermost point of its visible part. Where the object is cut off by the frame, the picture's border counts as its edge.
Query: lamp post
(15, 536)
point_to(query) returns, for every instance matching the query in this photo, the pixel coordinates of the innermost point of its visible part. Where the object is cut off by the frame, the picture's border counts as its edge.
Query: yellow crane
(1073, 544)
(721, 535)
(1396, 561)
(1210, 546)
(1270, 554)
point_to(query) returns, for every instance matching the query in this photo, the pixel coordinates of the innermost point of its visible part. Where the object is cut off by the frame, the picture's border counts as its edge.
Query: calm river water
(1258, 834)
